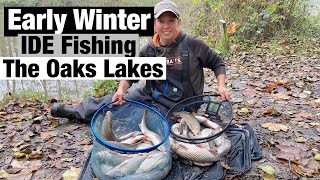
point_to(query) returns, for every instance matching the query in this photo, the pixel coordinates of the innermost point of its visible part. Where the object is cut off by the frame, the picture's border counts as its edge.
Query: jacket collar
(178, 39)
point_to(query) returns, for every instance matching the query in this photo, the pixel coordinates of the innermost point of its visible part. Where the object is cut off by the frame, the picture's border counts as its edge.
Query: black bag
(245, 148)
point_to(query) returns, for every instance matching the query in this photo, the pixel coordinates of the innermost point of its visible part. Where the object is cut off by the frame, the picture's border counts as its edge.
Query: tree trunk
(8, 85)
(13, 87)
(77, 89)
(15, 46)
(22, 85)
(44, 85)
(10, 54)
(59, 89)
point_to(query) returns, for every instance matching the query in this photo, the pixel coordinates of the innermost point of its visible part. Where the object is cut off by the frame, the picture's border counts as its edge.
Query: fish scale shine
(154, 137)
(190, 120)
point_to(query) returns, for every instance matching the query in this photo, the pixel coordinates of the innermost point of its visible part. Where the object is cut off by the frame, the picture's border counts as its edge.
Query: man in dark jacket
(186, 57)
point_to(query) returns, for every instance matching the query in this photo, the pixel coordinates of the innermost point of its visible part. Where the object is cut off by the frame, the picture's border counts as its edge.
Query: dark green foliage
(101, 88)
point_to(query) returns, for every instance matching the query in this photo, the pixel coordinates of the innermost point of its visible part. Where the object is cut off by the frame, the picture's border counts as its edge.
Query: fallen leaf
(232, 28)
(275, 127)
(3, 174)
(67, 159)
(314, 124)
(251, 101)
(269, 88)
(284, 42)
(281, 95)
(47, 135)
(293, 122)
(307, 69)
(268, 111)
(249, 92)
(19, 154)
(317, 100)
(22, 175)
(288, 152)
(300, 140)
(268, 169)
(302, 95)
(317, 157)
(313, 164)
(245, 110)
(268, 177)
(38, 119)
(71, 174)
(281, 57)
(14, 170)
(297, 170)
(3, 124)
(304, 115)
(26, 137)
(226, 166)
(35, 156)
(257, 84)
(283, 82)
(306, 171)
(237, 100)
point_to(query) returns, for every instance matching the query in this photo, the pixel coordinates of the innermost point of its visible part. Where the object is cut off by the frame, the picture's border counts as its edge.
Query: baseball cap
(165, 6)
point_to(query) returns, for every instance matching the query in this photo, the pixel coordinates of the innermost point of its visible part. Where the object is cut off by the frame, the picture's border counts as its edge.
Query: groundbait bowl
(210, 106)
(126, 119)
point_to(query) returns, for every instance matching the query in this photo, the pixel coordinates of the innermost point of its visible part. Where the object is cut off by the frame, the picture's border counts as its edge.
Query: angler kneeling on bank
(186, 58)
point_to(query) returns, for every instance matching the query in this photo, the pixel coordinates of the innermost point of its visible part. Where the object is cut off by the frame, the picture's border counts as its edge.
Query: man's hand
(224, 93)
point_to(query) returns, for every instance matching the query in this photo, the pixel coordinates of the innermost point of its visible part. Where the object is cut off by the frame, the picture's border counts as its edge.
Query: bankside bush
(255, 19)
(101, 88)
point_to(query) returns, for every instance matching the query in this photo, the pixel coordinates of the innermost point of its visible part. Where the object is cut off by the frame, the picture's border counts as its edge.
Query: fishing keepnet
(201, 141)
(209, 106)
(130, 160)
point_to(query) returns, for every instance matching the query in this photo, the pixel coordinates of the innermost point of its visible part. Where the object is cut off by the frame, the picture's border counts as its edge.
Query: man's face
(167, 26)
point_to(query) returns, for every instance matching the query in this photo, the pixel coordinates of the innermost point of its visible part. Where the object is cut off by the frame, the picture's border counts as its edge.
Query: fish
(134, 133)
(221, 144)
(123, 145)
(225, 146)
(114, 158)
(145, 144)
(183, 128)
(208, 132)
(176, 128)
(206, 122)
(153, 161)
(105, 167)
(128, 166)
(106, 128)
(154, 137)
(134, 139)
(195, 153)
(190, 120)
(179, 129)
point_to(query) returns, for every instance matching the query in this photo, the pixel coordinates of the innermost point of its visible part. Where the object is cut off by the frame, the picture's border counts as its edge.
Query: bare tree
(44, 85)
(22, 85)
(77, 88)
(59, 89)
(8, 85)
